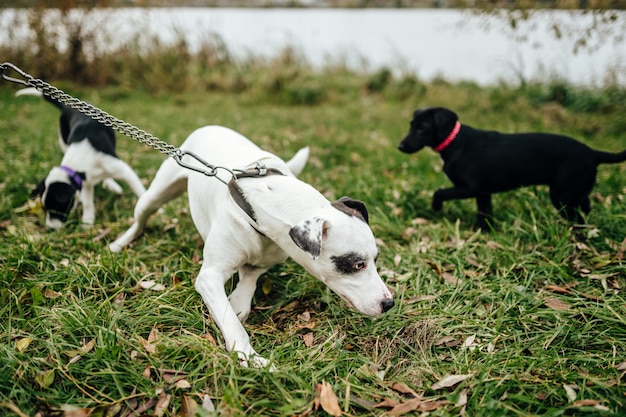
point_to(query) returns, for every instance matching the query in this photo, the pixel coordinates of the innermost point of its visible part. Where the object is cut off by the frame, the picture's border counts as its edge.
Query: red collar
(450, 138)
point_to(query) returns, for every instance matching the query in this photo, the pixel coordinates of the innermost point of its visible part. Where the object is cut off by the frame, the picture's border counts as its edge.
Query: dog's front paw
(437, 203)
(87, 223)
(255, 361)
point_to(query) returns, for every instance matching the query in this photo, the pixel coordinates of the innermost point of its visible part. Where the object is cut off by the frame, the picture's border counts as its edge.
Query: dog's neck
(450, 138)
(274, 209)
(75, 177)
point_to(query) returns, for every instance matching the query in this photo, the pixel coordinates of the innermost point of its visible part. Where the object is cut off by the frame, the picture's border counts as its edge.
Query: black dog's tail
(609, 158)
(31, 91)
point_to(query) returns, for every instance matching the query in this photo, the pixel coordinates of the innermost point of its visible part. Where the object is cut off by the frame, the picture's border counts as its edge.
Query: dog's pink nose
(386, 305)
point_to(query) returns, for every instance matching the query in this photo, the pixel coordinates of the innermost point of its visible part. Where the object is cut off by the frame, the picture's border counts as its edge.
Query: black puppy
(480, 163)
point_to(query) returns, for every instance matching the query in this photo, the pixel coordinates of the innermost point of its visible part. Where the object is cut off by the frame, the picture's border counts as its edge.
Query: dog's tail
(31, 91)
(608, 157)
(297, 163)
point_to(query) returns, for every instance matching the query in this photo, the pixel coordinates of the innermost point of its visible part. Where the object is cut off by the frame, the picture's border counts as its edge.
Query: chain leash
(121, 126)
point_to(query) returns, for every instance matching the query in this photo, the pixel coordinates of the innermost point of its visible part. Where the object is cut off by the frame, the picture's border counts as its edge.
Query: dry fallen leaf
(557, 304)
(470, 342)
(387, 403)
(51, 294)
(207, 404)
(189, 407)
(305, 316)
(405, 407)
(78, 412)
(45, 379)
(448, 341)
(449, 381)
(161, 406)
(570, 390)
(325, 397)
(585, 403)
(409, 232)
(415, 404)
(621, 366)
(30, 206)
(151, 285)
(308, 339)
(22, 344)
(403, 389)
(494, 245)
(397, 259)
(450, 279)
(182, 384)
(462, 401)
(473, 261)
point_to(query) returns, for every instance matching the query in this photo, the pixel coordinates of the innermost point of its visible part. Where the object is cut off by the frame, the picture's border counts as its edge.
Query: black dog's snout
(386, 305)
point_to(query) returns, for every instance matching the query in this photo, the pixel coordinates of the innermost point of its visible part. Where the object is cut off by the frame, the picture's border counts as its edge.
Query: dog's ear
(309, 234)
(444, 120)
(39, 189)
(352, 208)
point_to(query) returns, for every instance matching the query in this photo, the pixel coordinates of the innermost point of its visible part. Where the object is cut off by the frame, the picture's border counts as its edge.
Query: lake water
(430, 43)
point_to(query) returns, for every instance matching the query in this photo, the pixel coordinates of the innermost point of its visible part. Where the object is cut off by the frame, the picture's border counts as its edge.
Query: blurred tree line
(65, 39)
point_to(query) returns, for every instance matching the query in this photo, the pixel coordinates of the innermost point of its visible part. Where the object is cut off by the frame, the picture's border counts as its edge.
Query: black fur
(352, 208)
(75, 127)
(59, 200)
(480, 163)
(348, 264)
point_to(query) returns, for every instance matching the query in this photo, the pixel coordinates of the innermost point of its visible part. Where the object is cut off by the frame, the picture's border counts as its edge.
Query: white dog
(89, 158)
(257, 222)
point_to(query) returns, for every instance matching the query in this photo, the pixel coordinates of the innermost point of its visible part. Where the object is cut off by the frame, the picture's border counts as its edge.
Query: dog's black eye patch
(350, 263)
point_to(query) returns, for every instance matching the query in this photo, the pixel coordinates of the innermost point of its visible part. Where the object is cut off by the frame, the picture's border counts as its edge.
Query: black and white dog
(480, 162)
(89, 158)
(257, 222)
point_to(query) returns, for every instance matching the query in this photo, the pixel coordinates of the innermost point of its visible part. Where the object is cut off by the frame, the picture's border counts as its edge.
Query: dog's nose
(386, 305)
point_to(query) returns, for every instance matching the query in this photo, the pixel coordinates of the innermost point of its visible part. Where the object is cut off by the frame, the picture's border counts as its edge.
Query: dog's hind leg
(169, 182)
(484, 215)
(241, 297)
(120, 170)
(111, 185)
(570, 195)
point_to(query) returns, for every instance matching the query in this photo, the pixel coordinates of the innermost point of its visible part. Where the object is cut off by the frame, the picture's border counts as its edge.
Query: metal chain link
(110, 121)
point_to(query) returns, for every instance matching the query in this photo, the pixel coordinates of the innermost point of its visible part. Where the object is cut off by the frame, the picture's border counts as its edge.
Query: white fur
(98, 167)
(232, 238)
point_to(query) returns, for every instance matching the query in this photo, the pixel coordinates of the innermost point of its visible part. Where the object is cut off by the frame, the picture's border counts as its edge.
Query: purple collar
(74, 176)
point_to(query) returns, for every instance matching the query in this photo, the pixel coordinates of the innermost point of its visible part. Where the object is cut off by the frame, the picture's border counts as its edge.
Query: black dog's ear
(39, 189)
(352, 207)
(444, 120)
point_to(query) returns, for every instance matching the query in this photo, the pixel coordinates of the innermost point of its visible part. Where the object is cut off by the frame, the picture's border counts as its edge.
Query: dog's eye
(357, 266)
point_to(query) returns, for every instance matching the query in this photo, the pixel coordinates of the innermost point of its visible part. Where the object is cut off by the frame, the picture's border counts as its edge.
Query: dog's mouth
(403, 147)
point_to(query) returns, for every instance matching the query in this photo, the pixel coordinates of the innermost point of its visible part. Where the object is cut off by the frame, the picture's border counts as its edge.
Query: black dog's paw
(484, 223)
(437, 203)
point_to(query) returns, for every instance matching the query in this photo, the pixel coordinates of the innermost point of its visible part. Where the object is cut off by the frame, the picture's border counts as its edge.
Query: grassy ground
(531, 318)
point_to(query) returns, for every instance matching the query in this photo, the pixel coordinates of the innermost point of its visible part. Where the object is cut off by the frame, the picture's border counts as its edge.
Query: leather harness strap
(237, 193)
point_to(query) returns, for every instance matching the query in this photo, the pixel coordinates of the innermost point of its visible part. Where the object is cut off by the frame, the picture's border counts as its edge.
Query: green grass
(537, 315)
